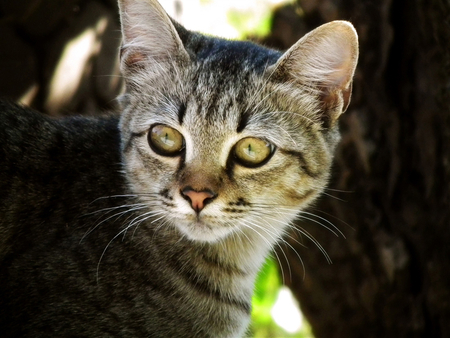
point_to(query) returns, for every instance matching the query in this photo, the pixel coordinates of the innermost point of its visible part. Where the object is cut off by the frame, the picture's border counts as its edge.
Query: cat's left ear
(149, 38)
(324, 60)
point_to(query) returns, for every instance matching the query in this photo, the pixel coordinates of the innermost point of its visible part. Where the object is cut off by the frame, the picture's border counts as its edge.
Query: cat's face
(226, 137)
(218, 139)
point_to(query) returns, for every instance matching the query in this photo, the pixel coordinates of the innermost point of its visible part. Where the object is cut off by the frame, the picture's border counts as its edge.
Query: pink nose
(198, 199)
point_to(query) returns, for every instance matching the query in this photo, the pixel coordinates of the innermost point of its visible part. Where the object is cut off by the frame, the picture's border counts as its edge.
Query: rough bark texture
(390, 277)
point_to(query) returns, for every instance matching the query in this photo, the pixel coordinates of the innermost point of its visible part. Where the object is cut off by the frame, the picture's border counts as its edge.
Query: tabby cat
(155, 224)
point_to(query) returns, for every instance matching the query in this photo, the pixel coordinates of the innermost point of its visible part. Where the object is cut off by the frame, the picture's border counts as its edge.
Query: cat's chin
(200, 231)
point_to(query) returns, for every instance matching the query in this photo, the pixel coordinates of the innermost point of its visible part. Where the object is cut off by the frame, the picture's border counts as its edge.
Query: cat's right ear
(323, 62)
(149, 38)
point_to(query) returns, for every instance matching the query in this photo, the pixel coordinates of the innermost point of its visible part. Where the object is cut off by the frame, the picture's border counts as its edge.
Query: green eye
(252, 152)
(165, 141)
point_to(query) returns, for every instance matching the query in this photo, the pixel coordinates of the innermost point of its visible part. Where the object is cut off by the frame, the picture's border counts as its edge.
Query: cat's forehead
(223, 78)
(233, 57)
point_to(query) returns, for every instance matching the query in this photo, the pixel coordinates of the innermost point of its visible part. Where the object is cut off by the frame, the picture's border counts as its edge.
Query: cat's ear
(149, 37)
(325, 61)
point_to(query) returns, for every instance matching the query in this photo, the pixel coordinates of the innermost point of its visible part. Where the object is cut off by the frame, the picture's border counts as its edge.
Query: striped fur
(216, 92)
(141, 261)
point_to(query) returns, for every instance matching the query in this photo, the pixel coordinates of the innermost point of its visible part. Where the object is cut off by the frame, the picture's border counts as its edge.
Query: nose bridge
(201, 175)
(203, 169)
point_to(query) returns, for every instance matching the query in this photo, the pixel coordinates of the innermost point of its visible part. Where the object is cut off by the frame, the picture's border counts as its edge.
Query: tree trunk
(390, 277)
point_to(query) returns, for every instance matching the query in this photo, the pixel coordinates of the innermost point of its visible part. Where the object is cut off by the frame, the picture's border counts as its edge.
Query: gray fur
(96, 236)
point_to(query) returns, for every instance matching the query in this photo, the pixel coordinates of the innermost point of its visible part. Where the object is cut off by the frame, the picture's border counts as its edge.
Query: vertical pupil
(250, 151)
(167, 141)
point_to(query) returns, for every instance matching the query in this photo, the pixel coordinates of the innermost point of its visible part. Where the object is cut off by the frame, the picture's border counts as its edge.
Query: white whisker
(286, 243)
(323, 219)
(117, 215)
(250, 226)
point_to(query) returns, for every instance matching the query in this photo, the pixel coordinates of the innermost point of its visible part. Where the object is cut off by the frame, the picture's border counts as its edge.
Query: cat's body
(155, 226)
(148, 283)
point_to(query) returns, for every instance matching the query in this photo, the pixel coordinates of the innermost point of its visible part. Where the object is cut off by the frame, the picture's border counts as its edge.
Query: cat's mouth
(201, 224)
(199, 229)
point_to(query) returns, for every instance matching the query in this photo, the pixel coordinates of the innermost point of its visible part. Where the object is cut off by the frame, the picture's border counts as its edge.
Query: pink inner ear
(341, 71)
(134, 58)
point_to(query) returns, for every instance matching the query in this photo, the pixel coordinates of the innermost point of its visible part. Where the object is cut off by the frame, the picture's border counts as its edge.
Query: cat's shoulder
(32, 143)
(15, 117)
(23, 126)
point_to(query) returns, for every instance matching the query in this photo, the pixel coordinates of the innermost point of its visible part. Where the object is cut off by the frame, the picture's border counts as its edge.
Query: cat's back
(46, 163)
(29, 137)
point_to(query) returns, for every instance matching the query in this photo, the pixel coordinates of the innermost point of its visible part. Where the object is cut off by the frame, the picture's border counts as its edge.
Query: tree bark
(390, 276)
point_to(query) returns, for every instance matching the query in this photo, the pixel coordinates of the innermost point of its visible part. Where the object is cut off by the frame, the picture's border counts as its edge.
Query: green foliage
(249, 24)
(267, 287)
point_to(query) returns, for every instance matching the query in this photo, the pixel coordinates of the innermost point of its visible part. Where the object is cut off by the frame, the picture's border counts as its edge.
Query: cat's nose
(198, 199)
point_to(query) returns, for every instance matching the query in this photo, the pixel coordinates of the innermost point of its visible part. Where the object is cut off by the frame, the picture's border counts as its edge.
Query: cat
(155, 223)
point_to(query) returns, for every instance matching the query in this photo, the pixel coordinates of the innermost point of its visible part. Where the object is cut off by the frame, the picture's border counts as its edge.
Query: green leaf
(267, 287)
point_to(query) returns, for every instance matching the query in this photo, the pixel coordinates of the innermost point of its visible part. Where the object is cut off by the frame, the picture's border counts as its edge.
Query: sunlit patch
(286, 312)
(230, 19)
(72, 66)
(29, 95)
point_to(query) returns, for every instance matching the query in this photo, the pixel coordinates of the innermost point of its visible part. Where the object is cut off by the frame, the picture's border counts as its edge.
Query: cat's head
(226, 138)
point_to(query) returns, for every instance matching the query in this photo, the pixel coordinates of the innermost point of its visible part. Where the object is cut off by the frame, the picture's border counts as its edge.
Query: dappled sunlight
(230, 19)
(276, 312)
(286, 313)
(29, 95)
(74, 62)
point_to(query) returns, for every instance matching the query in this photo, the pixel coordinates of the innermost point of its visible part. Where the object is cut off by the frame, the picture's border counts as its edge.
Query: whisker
(332, 216)
(106, 248)
(335, 197)
(286, 234)
(118, 215)
(312, 239)
(342, 191)
(303, 231)
(123, 231)
(112, 196)
(300, 216)
(160, 226)
(270, 211)
(288, 244)
(323, 219)
(146, 218)
(111, 209)
(265, 240)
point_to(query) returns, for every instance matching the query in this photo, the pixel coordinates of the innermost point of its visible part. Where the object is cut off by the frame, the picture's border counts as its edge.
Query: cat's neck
(246, 250)
(229, 265)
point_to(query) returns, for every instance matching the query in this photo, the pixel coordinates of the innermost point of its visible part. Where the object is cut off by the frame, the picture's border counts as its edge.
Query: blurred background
(390, 192)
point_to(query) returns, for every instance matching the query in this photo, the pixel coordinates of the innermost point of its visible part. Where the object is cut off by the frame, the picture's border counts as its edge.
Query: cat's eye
(253, 152)
(165, 140)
